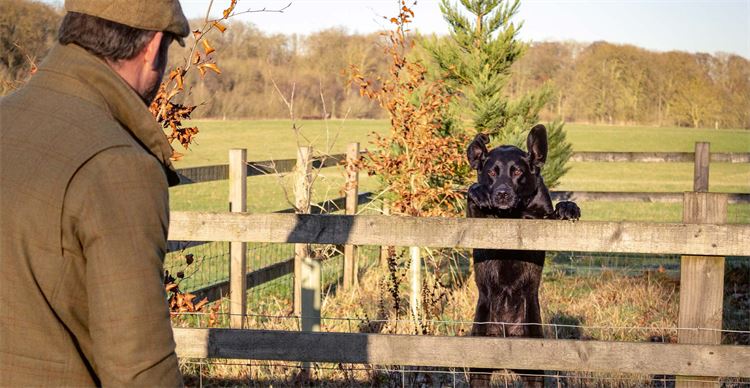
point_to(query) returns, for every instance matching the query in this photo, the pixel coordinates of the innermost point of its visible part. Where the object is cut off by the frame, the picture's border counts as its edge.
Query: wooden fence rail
(221, 171)
(585, 236)
(611, 196)
(263, 167)
(658, 157)
(466, 352)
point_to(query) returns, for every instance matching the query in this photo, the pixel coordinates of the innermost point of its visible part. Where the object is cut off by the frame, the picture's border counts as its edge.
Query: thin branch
(264, 9)
(208, 11)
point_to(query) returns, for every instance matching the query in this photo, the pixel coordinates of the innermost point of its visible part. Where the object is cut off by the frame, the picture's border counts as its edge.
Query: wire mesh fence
(200, 373)
(569, 276)
(585, 296)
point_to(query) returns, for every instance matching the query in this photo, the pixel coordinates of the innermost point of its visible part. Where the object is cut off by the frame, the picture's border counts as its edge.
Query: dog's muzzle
(503, 197)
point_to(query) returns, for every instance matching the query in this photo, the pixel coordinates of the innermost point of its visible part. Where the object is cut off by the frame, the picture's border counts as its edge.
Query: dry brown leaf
(207, 46)
(220, 26)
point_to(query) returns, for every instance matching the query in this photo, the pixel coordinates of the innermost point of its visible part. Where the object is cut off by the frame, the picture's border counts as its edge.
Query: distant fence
(221, 172)
(703, 239)
(264, 167)
(658, 157)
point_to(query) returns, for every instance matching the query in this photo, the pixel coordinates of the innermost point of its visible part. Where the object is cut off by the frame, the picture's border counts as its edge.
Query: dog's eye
(491, 173)
(517, 172)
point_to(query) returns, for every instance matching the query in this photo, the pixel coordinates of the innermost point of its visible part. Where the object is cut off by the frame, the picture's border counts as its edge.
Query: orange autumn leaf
(228, 11)
(209, 66)
(200, 304)
(220, 26)
(207, 47)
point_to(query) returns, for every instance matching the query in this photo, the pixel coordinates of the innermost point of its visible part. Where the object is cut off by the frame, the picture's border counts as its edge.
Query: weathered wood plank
(237, 249)
(263, 167)
(593, 196)
(701, 280)
(352, 187)
(658, 157)
(466, 352)
(302, 187)
(552, 235)
(702, 163)
(333, 205)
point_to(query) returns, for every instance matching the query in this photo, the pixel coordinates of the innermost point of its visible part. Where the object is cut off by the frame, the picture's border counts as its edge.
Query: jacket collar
(105, 88)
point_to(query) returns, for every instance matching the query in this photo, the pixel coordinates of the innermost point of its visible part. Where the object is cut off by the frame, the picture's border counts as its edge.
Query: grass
(608, 306)
(653, 139)
(275, 139)
(606, 297)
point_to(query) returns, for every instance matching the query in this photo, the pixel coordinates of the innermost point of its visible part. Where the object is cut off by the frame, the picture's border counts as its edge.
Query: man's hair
(103, 38)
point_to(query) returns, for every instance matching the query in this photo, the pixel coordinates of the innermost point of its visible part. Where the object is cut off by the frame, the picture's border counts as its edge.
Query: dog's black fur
(510, 186)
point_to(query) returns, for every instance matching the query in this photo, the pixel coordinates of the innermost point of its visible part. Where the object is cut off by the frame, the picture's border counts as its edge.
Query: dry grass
(609, 305)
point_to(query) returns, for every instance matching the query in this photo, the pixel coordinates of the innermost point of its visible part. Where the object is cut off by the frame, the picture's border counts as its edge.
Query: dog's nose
(503, 195)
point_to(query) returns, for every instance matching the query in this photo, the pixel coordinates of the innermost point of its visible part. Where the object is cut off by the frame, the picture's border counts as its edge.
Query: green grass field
(275, 139)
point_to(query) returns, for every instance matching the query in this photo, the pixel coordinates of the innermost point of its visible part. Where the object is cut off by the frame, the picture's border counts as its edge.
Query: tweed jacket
(84, 174)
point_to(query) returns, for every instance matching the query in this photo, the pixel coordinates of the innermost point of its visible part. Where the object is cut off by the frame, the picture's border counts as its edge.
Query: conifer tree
(476, 61)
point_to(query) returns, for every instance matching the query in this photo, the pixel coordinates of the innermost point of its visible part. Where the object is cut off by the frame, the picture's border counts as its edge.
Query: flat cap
(152, 15)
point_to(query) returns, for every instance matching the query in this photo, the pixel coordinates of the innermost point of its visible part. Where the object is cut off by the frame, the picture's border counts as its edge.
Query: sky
(687, 25)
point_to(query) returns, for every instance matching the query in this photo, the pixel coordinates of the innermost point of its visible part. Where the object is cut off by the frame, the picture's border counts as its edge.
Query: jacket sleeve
(122, 229)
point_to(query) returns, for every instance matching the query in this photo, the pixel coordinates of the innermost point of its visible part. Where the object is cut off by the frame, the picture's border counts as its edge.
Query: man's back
(84, 220)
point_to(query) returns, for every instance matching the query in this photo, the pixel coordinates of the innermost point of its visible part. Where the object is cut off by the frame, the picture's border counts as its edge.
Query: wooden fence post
(237, 250)
(307, 270)
(416, 285)
(702, 160)
(701, 277)
(351, 264)
(384, 249)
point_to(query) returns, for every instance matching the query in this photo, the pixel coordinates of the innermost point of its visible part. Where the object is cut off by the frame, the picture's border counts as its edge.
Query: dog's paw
(567, 210)
(479, 196)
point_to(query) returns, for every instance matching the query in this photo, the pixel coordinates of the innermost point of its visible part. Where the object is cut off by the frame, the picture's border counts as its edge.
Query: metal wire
(459, 322)
(459, 372)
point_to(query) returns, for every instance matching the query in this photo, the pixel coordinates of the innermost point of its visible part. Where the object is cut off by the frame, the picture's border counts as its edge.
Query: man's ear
(477, 151)
(537, 145)
(151, 51)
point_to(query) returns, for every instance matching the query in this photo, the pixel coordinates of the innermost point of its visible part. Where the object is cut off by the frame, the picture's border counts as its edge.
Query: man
(84, 172)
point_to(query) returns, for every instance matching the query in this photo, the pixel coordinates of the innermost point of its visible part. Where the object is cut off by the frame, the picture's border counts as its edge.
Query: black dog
(510, 186)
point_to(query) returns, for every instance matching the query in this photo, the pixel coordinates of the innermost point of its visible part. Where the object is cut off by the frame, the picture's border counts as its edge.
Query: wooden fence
(706, 359)
(702, 238)
(353, 198)
(221, 172)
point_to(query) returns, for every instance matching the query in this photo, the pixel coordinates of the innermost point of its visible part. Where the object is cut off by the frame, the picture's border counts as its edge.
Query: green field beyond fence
(274, 139)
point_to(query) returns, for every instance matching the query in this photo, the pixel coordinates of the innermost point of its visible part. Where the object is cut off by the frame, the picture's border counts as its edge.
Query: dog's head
(510, 174)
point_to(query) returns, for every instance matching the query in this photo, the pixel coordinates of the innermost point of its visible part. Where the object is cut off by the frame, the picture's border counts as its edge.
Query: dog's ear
(477, 151)
(537, 145)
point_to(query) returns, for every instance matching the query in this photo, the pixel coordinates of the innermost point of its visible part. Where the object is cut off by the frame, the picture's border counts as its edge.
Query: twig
(264, 9)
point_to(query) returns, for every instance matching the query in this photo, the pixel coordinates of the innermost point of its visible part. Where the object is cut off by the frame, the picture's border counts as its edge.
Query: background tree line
(598, 82)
